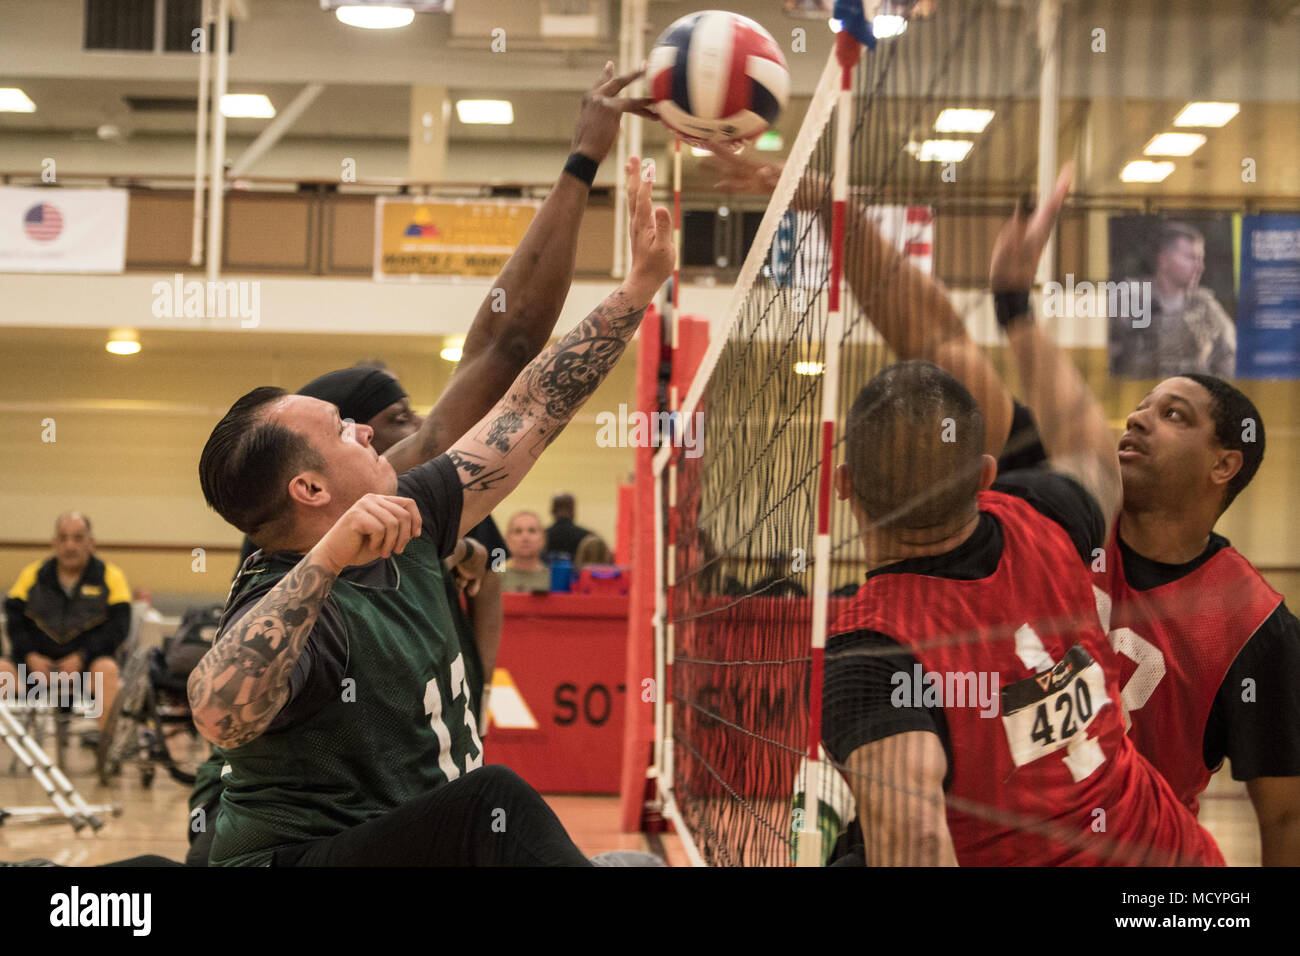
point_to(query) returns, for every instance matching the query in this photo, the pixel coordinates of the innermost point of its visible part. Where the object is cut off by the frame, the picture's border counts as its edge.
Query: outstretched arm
(494, 456)
(1070, 419)
(909, 308)
(519, 313)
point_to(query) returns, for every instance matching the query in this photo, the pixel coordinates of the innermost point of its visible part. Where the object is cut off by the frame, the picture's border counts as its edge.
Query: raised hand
(602, 109)
(1020, 244)
(467, 565)
(740, 174)
(651, 229)
(376, 526)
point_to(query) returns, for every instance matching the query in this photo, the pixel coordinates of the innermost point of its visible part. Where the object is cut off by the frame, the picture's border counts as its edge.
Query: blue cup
(562, 575)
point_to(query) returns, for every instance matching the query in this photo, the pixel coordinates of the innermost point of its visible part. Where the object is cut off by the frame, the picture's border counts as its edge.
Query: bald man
(70, 613)
(525, 539)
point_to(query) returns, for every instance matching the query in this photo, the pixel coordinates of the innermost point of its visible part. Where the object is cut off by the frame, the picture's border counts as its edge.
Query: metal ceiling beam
(276, 129)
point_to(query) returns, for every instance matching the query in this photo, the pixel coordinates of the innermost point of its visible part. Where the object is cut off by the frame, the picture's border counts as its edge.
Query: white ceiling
(1160, 53)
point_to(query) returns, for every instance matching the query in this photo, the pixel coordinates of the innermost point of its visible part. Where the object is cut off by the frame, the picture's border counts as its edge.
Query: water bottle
(561, 575)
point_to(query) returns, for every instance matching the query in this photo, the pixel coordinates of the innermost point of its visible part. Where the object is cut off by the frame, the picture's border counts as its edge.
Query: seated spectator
(526, 571)
(70, 613)
(592, 550)
(563, 537)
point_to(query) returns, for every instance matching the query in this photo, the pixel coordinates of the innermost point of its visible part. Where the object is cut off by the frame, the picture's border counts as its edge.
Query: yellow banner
(446, 238)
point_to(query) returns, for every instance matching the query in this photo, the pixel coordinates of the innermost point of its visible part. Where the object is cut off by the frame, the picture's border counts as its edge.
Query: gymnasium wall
(129, 431)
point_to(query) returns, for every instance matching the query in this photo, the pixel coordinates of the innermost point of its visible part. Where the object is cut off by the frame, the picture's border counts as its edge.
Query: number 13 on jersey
(472, 758)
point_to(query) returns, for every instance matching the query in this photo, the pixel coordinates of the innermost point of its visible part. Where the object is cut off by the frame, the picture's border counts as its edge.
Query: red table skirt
(558, 696)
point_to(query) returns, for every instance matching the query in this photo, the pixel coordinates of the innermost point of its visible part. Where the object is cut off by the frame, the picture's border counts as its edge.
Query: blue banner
(1268, 311)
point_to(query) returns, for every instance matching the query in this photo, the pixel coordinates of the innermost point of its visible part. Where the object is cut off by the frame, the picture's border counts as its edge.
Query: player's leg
(489, 817)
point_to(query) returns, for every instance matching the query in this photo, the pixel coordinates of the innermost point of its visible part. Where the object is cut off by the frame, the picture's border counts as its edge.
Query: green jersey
(400, 722)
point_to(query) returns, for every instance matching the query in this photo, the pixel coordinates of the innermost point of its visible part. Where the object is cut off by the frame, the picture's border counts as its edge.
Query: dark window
(182, 19)
(129, 25)
(698, 228)
(119, 24)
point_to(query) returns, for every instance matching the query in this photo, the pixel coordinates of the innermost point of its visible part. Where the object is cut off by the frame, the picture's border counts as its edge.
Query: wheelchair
(151, 725)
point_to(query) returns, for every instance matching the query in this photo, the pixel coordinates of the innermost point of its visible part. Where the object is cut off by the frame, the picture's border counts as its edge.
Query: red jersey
(1176, 643)
(1051, 778)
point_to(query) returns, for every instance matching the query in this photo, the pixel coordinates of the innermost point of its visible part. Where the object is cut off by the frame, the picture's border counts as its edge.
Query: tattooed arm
(518, 315)
(495, 455)
(242, 683)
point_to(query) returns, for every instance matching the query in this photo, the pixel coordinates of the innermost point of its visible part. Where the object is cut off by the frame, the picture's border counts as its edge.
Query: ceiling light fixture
(1145, 171)
(246, 106)
(14, 100)
(375, 18)
(493, 112)
(453, 350)
(963, 120)
(1206, 114)
(944, 150)
(123, 342)
(1174, 144)
(888, 25)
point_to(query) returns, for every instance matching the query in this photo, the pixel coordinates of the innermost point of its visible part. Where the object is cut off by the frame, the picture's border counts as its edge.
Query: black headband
(360, 393)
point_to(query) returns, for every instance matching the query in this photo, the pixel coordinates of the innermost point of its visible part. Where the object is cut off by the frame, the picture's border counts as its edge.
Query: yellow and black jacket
(93, 620)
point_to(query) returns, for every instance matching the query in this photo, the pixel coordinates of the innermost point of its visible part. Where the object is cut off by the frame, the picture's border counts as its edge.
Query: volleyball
(718, 77)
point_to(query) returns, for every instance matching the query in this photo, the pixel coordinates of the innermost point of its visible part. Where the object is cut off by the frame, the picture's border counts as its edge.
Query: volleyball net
(753, 559)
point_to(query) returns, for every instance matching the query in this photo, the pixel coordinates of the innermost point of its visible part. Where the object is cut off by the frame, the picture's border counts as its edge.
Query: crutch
(50, 777)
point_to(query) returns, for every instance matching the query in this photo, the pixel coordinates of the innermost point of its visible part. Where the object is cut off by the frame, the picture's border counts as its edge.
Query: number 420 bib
(1052, 711)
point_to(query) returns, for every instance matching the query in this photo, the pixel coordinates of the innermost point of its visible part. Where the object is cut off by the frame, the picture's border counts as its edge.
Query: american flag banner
(909, 228)
(62, 230)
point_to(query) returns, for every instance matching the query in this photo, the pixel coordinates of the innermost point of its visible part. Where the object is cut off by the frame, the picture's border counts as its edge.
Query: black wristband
(1011, 306)
(582, 168)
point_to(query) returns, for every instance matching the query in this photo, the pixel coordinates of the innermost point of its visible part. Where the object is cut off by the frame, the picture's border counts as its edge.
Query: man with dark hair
(370, 393)
(1206, 644)
(375, 759)
(976, 606)
(1212, 648)
(1188, 328)
(1189, 448)
(563, 537)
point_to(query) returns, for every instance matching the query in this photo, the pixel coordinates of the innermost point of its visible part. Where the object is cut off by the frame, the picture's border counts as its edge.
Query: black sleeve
(1064, 500)
(1024, 447)
(1260, 731)
(317, 675)
(435, 487)
(857, 692)
(487, 534)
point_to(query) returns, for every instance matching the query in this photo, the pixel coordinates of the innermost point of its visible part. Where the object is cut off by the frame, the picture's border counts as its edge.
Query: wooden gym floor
(154, 820)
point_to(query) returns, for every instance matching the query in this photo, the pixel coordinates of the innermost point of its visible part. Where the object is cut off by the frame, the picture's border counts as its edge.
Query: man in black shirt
(1189, 448)
(563, 537)
(382, 774)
